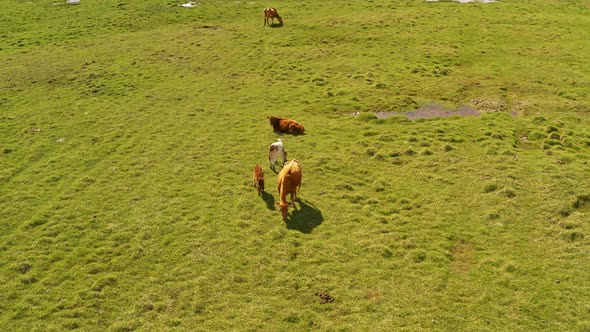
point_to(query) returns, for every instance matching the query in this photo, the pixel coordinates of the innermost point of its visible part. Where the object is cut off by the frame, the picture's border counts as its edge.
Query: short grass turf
(129, 132)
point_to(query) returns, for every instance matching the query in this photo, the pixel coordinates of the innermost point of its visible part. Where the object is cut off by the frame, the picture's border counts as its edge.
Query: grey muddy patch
(435, 110)
(432, 111)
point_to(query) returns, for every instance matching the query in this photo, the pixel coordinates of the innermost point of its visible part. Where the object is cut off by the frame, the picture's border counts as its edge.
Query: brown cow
(284, 125)
(258, 178)
(289, 183)
(269, 16)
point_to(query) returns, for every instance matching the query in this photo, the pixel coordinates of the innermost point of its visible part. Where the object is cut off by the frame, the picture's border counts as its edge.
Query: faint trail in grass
(462, 258)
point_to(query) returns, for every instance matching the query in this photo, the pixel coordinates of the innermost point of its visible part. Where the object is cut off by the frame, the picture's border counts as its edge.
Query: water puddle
(432, 111)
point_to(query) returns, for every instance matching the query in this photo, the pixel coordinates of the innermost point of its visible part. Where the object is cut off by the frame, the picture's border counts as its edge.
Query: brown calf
(258, 178)
(269, 16)
(289, 183)
(284, 125)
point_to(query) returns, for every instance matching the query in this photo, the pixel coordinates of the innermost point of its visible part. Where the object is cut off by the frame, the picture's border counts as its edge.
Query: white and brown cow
(275, 150)
(269, 16)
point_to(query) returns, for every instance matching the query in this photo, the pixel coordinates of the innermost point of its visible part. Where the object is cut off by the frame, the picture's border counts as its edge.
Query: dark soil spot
(325, 297)
(24, 268)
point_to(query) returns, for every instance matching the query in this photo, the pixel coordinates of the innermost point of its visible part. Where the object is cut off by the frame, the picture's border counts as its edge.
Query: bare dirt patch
(462, 255)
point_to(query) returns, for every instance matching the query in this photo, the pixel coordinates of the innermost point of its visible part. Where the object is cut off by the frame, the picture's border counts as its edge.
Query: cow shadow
(269, 200)
(276, 25)
(283, 133)
(305, 218)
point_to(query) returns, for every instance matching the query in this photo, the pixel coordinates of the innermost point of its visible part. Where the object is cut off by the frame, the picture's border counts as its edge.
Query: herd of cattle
(289, 178)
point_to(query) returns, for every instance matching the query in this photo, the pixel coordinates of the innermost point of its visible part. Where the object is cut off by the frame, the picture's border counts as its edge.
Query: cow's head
(273, 120)
(284, 207)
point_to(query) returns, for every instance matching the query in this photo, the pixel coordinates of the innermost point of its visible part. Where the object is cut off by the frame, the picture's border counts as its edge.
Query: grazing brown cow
(258, 179)
(269, 16)
(289, 183)
(284, 125)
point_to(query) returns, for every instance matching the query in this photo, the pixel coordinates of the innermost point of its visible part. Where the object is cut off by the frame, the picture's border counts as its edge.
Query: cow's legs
(293, 199)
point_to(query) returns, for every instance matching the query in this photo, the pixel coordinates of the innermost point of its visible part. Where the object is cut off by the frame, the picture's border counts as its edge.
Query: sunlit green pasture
(129, 131)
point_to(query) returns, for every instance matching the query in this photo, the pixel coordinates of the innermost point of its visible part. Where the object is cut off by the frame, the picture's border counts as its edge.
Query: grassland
(129, 131)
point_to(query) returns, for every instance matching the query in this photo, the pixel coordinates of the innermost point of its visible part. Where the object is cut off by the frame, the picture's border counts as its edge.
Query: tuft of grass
(490, 187)
(366, 116)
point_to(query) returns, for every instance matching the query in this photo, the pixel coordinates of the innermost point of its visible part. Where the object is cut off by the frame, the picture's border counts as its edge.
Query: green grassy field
(129, 131)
